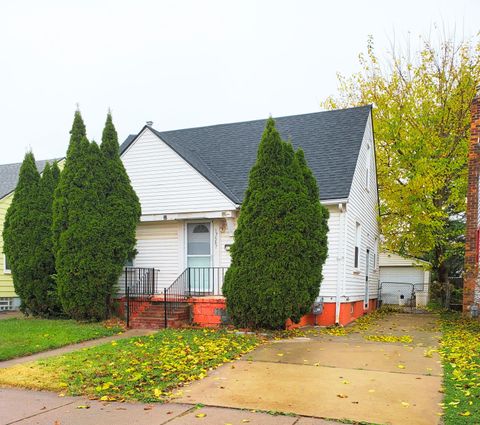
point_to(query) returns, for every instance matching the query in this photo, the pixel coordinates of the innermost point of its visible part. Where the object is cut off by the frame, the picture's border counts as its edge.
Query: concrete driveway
(337, 377)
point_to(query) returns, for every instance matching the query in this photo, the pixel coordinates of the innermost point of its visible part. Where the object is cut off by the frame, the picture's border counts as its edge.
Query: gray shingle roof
(9, 175)
(225, 153)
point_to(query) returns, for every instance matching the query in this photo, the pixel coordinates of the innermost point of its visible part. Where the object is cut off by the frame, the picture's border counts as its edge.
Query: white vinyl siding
(160, 245)
(368, 166)
(328, 286)
(225, 238)
(413, 275)
(165, 183)
(391, 259)
(362, 208)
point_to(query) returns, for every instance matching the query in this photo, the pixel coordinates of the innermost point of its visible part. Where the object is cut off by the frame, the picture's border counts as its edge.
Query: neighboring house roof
(225, 153)
(9, 175)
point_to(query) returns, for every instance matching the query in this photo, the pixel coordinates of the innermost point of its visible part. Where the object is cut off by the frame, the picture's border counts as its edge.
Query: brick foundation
(210, 312)
(348, 313)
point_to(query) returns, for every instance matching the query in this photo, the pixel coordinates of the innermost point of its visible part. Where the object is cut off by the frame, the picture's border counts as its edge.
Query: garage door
(397, 281)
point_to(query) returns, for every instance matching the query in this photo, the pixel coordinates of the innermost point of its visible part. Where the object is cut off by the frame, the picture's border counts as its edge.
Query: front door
(199, 257)
(367, 272)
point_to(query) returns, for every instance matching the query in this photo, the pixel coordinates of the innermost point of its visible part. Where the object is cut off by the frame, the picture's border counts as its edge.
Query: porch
(194, 298)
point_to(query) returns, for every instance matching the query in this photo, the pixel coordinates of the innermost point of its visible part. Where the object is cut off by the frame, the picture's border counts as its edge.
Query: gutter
(340, 281)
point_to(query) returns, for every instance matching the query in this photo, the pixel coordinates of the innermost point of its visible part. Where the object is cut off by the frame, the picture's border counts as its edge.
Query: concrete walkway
(43, 408)
(75, 347)
(339, 377)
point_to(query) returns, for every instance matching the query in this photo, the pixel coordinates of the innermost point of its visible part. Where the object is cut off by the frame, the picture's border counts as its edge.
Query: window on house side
(6, 265)
(358, 232)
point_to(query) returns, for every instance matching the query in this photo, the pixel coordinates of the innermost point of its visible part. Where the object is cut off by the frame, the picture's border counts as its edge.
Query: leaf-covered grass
(21, 337)
(460, 351)
(145, 368)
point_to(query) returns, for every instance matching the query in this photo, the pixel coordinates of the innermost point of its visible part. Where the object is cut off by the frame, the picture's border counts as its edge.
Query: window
(6, 304)
(367, 168)
(358, 232)
(375, 254)
(6, 265)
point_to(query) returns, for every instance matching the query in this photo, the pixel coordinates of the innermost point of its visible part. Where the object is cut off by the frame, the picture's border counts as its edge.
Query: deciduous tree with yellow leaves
(421, 120)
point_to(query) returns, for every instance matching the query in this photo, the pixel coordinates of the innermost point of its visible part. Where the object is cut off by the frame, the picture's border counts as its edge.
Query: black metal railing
(205, 281)
(175, 295)
(140, 285)
(192, 282)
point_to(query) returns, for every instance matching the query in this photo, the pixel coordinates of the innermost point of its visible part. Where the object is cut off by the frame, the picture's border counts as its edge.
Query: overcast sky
(187, 63)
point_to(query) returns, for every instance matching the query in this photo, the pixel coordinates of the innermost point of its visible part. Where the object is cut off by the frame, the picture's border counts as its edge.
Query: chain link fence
(402, 293)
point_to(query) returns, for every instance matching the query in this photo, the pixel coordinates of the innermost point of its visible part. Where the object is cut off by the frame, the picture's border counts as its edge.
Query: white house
(191, 184)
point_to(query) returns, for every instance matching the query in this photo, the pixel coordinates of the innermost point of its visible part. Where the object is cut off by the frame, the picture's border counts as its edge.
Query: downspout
(340, 281)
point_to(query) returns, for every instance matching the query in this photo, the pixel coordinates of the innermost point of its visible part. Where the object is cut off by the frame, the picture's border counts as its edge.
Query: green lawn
(21, 337)
(146, 368)
(460, 351)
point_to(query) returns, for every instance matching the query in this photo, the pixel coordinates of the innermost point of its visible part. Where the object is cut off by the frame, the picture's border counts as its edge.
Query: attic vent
(149, 123)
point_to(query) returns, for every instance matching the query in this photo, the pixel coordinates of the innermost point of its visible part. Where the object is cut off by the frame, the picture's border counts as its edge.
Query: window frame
(6, 270)
(358, 244)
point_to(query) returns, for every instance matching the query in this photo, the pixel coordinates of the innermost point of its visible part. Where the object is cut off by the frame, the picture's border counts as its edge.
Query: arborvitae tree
(81, 289)
(44, 298)
(19, 233)
(95, 218)
(316, 229)
(270, 279)
(60, 202)
(120, 211)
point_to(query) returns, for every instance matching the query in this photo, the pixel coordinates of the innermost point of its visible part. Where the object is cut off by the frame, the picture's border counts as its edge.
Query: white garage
(403, 280)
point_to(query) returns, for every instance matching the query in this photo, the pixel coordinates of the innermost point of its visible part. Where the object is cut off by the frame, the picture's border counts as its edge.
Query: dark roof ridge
(369, 105)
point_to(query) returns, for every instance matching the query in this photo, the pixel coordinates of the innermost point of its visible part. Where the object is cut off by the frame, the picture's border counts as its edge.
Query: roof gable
(225, 153)
(166, 183)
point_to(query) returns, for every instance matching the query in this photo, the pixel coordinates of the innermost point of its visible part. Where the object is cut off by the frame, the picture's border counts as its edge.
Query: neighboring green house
(8, 181)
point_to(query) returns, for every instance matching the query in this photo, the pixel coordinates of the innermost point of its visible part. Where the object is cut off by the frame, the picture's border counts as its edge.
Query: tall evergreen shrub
(27, 239)
(316, 229)
(60, 202)
(95, 217)
(272, 277)
(18, 240)
(45, 300)
(81, 289)
(120, 210)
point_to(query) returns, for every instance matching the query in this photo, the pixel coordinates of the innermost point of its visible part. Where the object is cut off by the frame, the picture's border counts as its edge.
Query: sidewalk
(75, 347)
(42, 408)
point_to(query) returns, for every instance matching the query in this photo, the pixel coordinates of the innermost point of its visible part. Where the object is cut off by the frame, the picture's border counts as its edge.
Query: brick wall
(471, 234)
